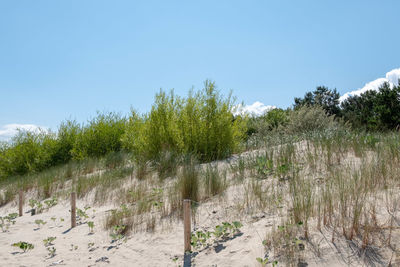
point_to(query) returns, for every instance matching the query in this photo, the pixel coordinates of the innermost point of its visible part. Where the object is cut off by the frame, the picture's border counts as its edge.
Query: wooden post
(187, 225)
(73, 209)
(20, 202)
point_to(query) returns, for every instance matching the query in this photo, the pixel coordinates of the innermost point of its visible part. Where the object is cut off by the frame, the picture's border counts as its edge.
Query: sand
(164, 245)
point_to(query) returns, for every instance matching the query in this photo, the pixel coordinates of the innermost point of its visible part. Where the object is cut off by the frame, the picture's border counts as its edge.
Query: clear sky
(68, 59)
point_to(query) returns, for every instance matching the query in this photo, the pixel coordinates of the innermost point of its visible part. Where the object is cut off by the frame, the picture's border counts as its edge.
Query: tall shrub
(28, 152)
(100, 136)
(307, 119)
(201, 124)
(67, 135)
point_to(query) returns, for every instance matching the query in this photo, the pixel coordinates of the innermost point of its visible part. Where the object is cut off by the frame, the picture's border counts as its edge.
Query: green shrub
(201, 124)
(327, 99)
(28, 152)
(66, 138)
(307, 119)
(272, 120)
(101, 136)
(374, 110)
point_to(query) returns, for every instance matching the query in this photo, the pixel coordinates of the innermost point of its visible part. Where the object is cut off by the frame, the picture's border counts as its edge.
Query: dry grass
(346, 186)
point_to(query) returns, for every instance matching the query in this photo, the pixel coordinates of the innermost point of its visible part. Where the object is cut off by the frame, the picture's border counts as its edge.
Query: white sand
(160, 247)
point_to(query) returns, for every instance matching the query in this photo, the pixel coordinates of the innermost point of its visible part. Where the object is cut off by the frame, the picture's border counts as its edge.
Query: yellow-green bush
(101, 136)
(28, 152)
(201, 124)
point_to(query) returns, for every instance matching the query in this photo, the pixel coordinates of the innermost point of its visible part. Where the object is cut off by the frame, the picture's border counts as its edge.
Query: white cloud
(9, 130)
(254, 110)
(392, 77)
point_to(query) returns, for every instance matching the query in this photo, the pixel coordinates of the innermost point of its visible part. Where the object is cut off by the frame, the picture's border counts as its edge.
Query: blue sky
(68, 59)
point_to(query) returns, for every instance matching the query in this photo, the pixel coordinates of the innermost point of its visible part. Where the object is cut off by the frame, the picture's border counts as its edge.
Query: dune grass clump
(120, 221)
(188, 179)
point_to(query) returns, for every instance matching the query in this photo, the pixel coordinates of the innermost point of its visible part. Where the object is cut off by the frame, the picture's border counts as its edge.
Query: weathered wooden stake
(20, 202)
(73, 209)
(186, 225)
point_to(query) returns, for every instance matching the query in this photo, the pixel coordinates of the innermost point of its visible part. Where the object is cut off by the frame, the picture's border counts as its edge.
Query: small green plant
(51, 251)
(32, 203)
(3, 225)
(73, 247)
(25, 246)
(7, 221)
(12, 216)
(262, 261)
(265, 260)
(200, 238)
(175, 260)
(36, 206)
(226, 229)
(117, 233)
(91, 226)
(51, 202)
(236, 226)
(264, 166)
(40, 223)
(49, 241)
(82, 214)
(282, 170)
(39, 207)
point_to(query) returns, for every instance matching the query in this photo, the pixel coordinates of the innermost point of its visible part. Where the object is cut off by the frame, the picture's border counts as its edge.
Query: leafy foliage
(117, 234)
(25, 246)
(225, 230)
(29, 152)
(49, 241)
(7, 221)
(91, 226)
(102, 135)
(51, 202)
(374, 110)
(36, 205)
(272, 120)
(322, 96)
(201, 124)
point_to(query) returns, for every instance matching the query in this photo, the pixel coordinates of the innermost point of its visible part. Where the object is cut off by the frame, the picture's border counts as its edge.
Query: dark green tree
(327, 98)
(374, 110)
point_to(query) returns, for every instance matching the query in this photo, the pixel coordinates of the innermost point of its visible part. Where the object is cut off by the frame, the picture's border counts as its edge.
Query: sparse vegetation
(49, 241)
(40, 223)
(7, 221)
(221, 232)
(51, 251)
(24, 246)
(306, 166)
(91, 226)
